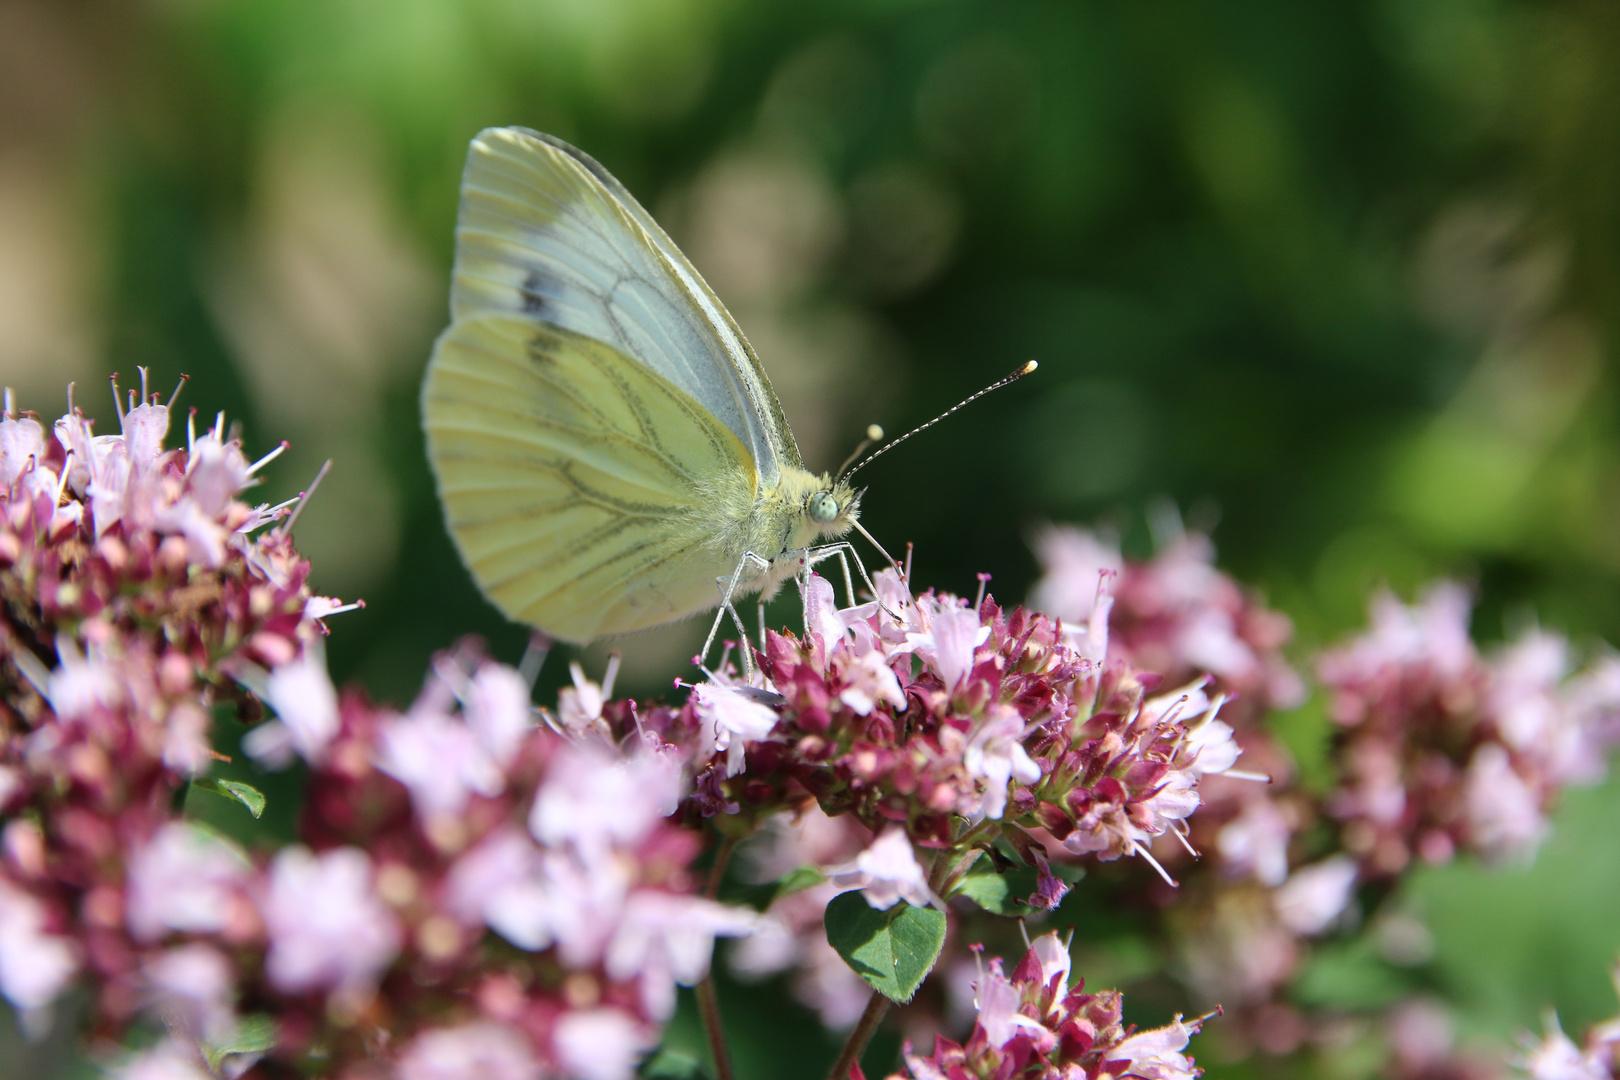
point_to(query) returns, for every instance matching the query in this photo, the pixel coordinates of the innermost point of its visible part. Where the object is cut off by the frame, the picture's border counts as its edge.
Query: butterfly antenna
(874, 434)
(997, 385)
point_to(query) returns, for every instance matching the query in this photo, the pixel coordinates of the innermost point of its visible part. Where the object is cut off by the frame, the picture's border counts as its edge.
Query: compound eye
(823, 507)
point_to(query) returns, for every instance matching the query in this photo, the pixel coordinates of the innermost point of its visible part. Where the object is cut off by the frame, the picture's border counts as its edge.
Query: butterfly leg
(728, 589)
(827, 551)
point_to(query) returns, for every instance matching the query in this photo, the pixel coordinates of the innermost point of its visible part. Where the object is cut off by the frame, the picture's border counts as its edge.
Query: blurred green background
(1341, 280)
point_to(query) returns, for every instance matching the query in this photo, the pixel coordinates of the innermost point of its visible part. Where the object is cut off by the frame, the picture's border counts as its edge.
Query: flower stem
(709, 1009)
(708, 1001)
(864, 1030)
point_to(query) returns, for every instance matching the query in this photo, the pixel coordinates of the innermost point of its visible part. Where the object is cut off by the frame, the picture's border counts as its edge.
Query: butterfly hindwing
(579, 484)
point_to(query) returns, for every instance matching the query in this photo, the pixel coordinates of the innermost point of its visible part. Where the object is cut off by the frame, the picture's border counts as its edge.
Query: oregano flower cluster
(482, 888)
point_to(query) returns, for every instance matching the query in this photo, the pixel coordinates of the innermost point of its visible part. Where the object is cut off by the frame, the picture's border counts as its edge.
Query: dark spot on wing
(539, 293)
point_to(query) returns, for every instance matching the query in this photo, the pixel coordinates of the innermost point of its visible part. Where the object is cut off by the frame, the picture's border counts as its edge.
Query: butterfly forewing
(546, 233)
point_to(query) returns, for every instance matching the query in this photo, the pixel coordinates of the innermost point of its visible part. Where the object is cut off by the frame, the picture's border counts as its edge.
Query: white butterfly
(609, 453)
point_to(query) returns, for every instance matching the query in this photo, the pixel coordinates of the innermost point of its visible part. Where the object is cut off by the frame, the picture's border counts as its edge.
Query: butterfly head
(831, 508)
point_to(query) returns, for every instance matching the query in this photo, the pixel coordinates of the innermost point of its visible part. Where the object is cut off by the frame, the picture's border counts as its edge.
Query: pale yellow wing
(581, 487)
(547, 233)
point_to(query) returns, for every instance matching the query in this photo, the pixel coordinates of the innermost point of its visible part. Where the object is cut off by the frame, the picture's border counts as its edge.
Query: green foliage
(246, 794)
(893, 950)
(254, 1034)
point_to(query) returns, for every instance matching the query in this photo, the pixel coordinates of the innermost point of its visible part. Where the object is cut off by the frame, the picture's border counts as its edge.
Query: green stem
(708, 1001)
(709, 1009)
(864, 1030)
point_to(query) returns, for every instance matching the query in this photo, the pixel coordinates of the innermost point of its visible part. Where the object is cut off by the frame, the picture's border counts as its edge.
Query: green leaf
(892, 950)
(254, 1034)
(760, 897)
(669, 1064)
(997, 893)
(246, 794)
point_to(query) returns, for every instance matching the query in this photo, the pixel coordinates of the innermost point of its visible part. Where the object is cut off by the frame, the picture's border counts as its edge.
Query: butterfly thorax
(801, 511)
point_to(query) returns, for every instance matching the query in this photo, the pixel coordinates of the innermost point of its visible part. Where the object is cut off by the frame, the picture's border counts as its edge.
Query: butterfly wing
(547, 233)
(580, 485)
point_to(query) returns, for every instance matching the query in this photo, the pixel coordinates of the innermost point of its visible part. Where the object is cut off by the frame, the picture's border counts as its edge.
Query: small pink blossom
(947, 644)
(593, 799)
(440, 759)
(35, 966)
(1314, 896)
(183, 878)
(995, 755)
(600, 1044)
(483, 1049)
(580, 707)
(733, 720)
(1556, 1057)
(1255, 843)
(327, 928)
(886, 873)
(192, 989)
(302, 696)
(665, 938)
(1504, 813)
(21, 441)
(168, 1060)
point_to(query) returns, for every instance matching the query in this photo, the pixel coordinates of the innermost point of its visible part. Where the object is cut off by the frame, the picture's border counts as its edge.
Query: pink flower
(183, 879)
(580, 706)
(1314, 896)
(665, 938)
(440, 759)
(600, 1044)
(594, 800)
(1001, 1017)
(35, 966)
(302, 696)
(995, 755)
(947, 644)
(1504, 813)
(483, 1049)
(733, 720)
(1156, 1054)
(21, 442)
(499, 710)
(1255, 843)
(168, 1060)
(83, 683)
(886, 873)
(192, 988)
(1556, 1057)
(327, 928)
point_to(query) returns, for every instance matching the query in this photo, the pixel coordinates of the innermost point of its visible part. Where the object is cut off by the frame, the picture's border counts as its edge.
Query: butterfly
(608, 451)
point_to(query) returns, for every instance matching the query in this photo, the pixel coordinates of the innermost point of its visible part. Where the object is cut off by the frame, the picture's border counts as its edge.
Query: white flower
(499, 710)
(953, 633)
(184, 878)
(1256, 842)
(193, 987)
(21, 441)
(886, 873)
(168, 1060)
(594, 800)
(1000, 1012)
(302, 696)
(600, 1044)
(186, 748)
(440, 759)
(732, 720)
(1504, 813)
(1556, 1057)
(482, 1050)
(995, 754)
(667, 938)
(1314, 896)
(82, 683)
(327, 928)
(35, 966)
(580, 706)
(1156, 1054)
